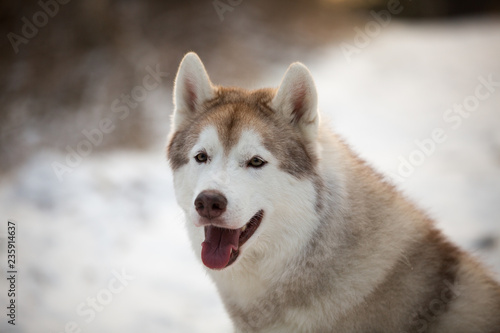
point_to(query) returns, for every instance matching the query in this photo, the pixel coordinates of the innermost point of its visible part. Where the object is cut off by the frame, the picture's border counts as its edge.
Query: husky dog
(298, 233)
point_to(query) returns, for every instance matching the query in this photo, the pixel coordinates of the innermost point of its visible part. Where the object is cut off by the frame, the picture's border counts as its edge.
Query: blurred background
(85, 101)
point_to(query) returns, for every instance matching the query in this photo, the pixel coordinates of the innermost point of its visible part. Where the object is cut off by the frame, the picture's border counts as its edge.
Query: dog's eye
(201, 157)
(256, 162)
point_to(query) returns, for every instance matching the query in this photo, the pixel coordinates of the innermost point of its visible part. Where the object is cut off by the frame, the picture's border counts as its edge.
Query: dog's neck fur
(253, 290)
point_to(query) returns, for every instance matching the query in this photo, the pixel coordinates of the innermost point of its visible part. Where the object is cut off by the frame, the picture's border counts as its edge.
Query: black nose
(210, 204)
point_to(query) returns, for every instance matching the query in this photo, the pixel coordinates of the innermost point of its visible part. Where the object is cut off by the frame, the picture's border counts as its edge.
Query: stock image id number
(11, 245)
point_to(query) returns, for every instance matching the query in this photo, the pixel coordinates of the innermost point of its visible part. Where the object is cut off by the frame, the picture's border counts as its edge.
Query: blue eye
(256, 162)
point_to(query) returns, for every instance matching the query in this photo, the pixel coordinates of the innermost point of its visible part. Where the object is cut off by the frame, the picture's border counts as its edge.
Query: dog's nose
(210, 204)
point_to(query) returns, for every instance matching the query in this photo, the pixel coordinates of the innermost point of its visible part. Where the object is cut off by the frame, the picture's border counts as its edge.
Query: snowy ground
(116, 213)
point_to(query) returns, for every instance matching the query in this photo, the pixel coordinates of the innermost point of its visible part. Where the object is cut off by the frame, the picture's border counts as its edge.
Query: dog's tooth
(244, 228)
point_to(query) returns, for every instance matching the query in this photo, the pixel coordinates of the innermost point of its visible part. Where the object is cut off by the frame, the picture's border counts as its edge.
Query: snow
(117, 212)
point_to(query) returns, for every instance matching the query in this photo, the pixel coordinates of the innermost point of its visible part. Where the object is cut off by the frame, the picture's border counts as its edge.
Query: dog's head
(243, 161)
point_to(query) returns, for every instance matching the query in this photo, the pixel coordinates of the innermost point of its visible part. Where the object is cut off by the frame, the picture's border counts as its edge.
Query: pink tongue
(216, 249)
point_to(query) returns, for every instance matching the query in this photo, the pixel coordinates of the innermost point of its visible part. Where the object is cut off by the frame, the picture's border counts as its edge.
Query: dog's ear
(192, 88)
(297, 100)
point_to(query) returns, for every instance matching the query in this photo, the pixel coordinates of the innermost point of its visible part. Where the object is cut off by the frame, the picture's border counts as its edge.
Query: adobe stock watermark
(30, 28)
(371, 30)
(88, 309)
(94, 136)
(454, 118)
(221, 7)
(424, 316)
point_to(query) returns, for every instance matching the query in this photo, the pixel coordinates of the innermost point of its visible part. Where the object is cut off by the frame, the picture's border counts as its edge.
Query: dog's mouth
(222, 246)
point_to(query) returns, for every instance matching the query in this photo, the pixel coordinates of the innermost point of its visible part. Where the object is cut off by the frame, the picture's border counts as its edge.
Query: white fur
(288, 206)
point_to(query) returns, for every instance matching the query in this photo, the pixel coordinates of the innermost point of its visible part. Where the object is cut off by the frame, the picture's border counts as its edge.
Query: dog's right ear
(296, 99)
(192, 88)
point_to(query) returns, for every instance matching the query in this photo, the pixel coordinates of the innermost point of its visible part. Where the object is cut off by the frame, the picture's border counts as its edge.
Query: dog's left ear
(297, 100)
(192, 88)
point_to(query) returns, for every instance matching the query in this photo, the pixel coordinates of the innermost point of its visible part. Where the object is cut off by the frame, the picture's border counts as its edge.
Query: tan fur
(373, 261)
(231, 111)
